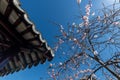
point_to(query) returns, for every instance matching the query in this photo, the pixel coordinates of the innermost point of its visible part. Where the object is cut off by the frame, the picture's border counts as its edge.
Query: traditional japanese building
(21, 46)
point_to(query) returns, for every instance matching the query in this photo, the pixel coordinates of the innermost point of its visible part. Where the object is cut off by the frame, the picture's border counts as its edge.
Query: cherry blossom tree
(89, 50)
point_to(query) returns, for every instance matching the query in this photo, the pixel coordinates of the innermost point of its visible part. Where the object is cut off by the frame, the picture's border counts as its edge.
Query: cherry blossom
(93, 13)
(85, 18)
(86, 23)
(73, 23)
(112, 40)
(95, 53)
(51, 65)
(78, 31)
(60, 63)
(75, 40)
(56, 47)
(84, 36)
(61, 41)
(61, 27)
(116, 23)
(95, 36)
(88, 10)
(81, 24)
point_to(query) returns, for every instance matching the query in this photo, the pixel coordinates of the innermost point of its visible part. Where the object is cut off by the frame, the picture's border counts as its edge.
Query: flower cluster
(117, 23)
(86, 17)
(85, 71)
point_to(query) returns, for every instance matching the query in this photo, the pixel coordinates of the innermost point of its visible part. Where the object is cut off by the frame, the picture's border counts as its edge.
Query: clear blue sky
(41, 12)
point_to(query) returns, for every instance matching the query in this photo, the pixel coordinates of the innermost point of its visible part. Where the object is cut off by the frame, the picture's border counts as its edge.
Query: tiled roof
(17, 17)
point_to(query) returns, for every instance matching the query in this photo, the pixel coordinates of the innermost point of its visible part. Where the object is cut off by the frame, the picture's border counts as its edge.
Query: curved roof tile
(19, 19)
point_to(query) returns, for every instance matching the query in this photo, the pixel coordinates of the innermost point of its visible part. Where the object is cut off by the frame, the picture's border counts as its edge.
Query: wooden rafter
(24, 46)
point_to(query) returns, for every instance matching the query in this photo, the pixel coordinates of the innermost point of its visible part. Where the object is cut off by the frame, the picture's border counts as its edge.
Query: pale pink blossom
(78, 31)
(116, 23)
(87, 6)
(64, 34)
(75, 40)
(51, 65)
(85, 18)
(88, 10)
(106, 15)
(53, 70)
(60, 63)
(93, 14)
(61, 27)
(81, 24)
(70, 39)
(87, 13)
(76, 75)
(73, 23)
(93, 75)
(84, 36)
(56, 47)
(85, 71)
(86, 23)
(95, 53)
(105, 21)
(82, 71)
(95, 36)
(112, 40)
(71, 78)
(61, 41)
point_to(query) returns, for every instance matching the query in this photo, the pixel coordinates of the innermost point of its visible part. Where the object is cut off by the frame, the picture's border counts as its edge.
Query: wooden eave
(21, 30)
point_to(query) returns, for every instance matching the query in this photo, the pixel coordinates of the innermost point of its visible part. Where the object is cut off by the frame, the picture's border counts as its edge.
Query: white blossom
(81, 24)
(56, 48)
(93, 13)
(53, 70)
(93, 75)
(112, 40)
(88, 6)
(86, 23)
(81, 71)
(61, 27)
(84, 36)
(61, 41)
(78, 31)
(60, 63)
(51, 65)
(73, 23)
(74, 39)
(106, 15)
(87, 13)
(70, 39)
(95, 53)
(95, 36)
(116, 23)
(85, 18)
